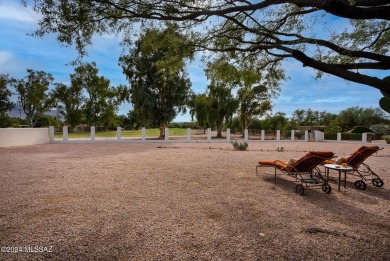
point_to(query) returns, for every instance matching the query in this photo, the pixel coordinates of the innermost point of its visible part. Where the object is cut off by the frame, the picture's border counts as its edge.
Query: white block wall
(23, 136)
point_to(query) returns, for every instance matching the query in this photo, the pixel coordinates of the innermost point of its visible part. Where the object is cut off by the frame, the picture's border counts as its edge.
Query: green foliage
(70, 102)
(380, 128)
(357, 116)
(46, 121)
(239, 146)
(333, 130)
(34, 96)
(5, 94)
(6, 121)
(277, 121)
(199, 105)
(360, 129)
(387, 138)
(311, 117)
(155, 68)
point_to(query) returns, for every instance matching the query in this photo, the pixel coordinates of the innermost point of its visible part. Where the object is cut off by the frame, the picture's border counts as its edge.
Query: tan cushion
(340, 160)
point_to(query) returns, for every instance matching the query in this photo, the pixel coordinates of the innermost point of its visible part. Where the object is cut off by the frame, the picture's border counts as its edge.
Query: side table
(340, 169)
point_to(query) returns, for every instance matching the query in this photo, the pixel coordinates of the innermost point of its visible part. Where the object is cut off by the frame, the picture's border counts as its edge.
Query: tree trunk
(162, 131)
(219, 129)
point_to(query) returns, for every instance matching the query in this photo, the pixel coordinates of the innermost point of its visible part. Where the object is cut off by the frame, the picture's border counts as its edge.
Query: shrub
(360, 129)
(239, 146)
(332, 130)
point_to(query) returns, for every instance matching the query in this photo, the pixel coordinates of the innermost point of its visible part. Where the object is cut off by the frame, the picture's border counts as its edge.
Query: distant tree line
(238, 94)
(353, 119)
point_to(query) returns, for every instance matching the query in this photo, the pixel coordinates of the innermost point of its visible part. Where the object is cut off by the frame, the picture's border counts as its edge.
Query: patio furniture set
(307, 170)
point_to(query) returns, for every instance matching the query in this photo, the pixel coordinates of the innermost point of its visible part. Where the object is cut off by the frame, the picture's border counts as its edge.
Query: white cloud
(17, 12)
(5, 57)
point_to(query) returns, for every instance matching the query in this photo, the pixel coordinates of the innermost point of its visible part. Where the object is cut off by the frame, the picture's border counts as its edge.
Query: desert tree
(156, 69)
(5, 94)
(34, 95)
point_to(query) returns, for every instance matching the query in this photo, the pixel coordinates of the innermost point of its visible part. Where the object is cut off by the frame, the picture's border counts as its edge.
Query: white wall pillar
(188, 134)
(278, 135)
(338, 136)
(228, 134)
(246, 135)
(292, 135)
(93, 133)
(143, 133)
(319, 136)
(209, 134)
(306, 135)
(65, 133)
(51, 134)
(166, 134)
(262, 134)
(118, 133)
(364, 137)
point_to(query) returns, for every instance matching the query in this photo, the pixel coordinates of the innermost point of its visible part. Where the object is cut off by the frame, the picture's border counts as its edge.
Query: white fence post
(209, 134)
(292, 135)
(262, 134)
(228, 134)
(364, 137)
(338, 136)
(118, 133)
(188, 134)
(51, 134)
(143, 133)
(306, 135)
(166, 134)
(246, 135)
(93, 133)
(65, 133)
(278, 135)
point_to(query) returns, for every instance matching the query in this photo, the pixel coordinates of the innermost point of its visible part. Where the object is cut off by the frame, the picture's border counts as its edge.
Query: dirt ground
(184, 201)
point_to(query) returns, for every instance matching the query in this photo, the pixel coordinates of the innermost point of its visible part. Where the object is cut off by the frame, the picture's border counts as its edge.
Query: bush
(360, 129)
(239, 146)
(332, 130)
(387, 138)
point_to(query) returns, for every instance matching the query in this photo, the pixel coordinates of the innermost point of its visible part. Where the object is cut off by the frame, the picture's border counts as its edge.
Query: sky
(20, 51)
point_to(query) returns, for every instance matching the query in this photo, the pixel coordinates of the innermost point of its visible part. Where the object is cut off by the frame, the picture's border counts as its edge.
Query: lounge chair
(304, 170)
(360, 169)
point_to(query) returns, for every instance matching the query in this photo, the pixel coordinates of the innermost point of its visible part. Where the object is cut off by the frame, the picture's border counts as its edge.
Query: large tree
(271, 31)
(34, 96)
(69, 100)
(5, 94)
(223, 79)
(101, 100)
(199, 105)
(358, 116)
(160, 86)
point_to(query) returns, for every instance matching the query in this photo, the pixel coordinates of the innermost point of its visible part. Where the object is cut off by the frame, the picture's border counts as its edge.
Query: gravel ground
(184, 201)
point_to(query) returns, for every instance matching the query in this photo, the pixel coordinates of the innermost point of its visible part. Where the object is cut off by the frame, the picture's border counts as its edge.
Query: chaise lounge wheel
(377, 182)
(300, 189)
(360, 184)
(326, 188)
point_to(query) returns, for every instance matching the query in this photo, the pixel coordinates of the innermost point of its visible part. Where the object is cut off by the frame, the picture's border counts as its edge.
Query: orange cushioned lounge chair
(304, 170)
(360, 169)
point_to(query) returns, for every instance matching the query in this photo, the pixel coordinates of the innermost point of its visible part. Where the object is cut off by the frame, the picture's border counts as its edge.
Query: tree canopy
(33, 94)
(267, 32)
(5, 94)
(155, 68)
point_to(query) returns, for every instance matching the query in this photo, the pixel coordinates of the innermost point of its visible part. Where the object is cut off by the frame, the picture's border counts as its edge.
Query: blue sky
(19, 52)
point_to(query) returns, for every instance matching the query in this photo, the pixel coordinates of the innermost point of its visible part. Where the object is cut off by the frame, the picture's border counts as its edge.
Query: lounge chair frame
(307, 175)
(363, 170)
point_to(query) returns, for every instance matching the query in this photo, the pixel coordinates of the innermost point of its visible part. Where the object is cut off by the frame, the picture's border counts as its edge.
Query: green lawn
(125, 133)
